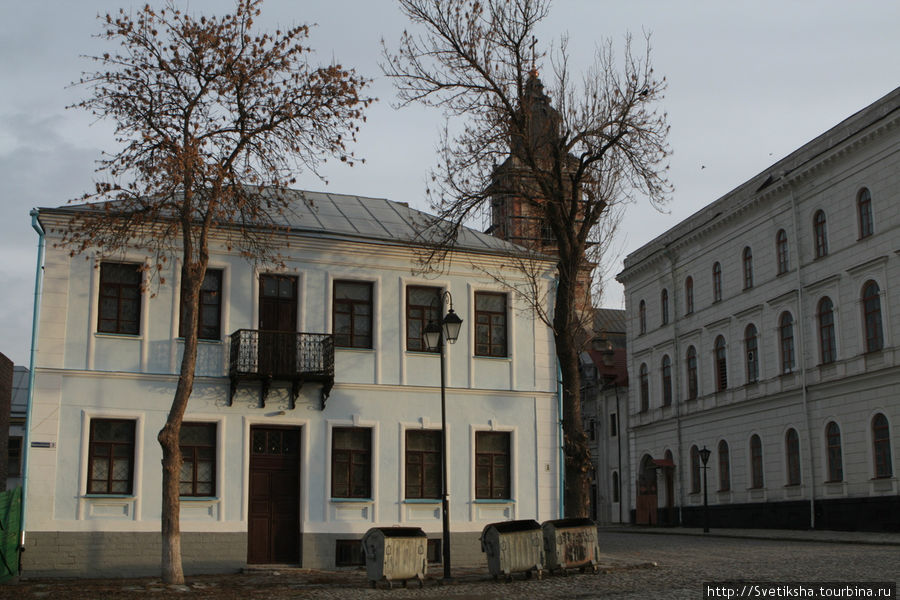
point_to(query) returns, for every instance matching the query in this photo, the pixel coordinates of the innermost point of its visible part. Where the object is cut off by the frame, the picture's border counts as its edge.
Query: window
(695, 470)
(792, 453)
(613, 425)
(821, 236)
(692, 373)
(351, 462)
(667, 380)
(747, 259)
(864, 213)
(490, 324)
(642, 316)
(111, 451)
(210, 316)
(492, 461)
(423, 463)
(352, 314)
(724, 467)
(721, 365)
(422, 306)
(645, 388)
(717, 282)
(786, 334)
(827, 344)
(756, 462)
(781, 251)
(14, 456)
(881, 442)
(835, 460)
(198, 450)
(688, 295)
(615, 486)
(871, 298)
(664, 306)
(120, 298)
(750, 348)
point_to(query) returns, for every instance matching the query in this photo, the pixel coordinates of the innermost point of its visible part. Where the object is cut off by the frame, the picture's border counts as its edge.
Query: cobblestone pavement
(635, 566)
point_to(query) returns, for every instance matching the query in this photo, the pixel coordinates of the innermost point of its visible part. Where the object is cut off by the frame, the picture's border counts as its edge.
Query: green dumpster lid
(513, 526)
(571, 522)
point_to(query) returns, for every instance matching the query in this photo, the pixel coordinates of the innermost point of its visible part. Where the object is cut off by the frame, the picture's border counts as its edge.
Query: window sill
(119, 336)
(198, 498)
(352, 500)
(423, 352)
(479, 356)
(109, 497)
(493, 501)
(202, 341)
(422, 501)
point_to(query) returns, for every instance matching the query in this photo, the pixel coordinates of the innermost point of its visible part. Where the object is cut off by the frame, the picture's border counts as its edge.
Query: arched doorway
(646, 492)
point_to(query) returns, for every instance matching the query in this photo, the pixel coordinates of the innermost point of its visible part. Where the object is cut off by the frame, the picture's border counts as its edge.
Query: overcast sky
(749, 82)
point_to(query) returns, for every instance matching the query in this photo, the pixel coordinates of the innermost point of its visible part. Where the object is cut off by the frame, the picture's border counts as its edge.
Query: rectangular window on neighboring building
(198, 452)
(120, 298)
(423, 463)
(351, 462)
(490, 324)
(111, 456)
(210, 317)
(352, 314)
(422, 306)
(492, 465)
(14, 457)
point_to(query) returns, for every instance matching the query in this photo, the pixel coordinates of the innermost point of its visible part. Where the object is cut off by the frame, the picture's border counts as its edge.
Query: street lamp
(704, 457)
(435, 335)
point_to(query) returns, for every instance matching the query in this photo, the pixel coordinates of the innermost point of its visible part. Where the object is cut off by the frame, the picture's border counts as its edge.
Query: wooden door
(273, 528)
(277, 325)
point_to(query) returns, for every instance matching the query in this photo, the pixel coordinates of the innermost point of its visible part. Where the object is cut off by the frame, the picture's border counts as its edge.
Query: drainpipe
(559, 421)
(811, 470)
(38, 280)
(676, 374)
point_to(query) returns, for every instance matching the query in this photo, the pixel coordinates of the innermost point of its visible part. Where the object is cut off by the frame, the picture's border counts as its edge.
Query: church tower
(517, 211)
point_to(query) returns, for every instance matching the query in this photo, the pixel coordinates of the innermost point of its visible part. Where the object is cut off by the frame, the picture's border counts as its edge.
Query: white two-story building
(766, 329)
(316, 411)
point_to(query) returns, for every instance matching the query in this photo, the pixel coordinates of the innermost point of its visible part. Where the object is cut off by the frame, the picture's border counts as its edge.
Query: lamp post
(704, 457)
(435, 337)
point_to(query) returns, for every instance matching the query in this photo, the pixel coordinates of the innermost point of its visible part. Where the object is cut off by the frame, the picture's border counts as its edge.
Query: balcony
(270, 356)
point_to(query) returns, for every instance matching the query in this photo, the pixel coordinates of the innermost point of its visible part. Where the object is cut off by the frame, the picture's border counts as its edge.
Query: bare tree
(213, 119)
(549, 173)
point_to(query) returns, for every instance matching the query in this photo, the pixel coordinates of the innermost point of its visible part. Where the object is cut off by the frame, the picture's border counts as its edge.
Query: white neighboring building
(766, 328)
(270, 478)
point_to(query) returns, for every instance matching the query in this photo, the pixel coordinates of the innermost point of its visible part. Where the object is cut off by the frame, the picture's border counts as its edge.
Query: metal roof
(349, 216)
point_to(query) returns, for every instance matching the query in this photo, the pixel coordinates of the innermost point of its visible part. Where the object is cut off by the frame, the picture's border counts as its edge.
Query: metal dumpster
(513, 547)
(395, 554)
(571, 544)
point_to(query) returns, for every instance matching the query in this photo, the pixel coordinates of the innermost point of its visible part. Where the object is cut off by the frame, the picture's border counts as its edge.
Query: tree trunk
(170, 435)
(577, 452)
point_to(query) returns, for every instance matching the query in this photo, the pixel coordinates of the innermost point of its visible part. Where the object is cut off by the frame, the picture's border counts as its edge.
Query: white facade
(82, 375)
(779, 396)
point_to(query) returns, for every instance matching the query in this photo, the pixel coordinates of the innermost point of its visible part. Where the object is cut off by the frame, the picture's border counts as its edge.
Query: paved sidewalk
(818, 535)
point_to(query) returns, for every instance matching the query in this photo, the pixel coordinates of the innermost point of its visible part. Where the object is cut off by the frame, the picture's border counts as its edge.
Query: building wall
(82, 374)
(827, 174)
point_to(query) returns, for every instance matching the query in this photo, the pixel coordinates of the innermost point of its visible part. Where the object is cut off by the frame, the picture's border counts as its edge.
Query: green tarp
(10, 521)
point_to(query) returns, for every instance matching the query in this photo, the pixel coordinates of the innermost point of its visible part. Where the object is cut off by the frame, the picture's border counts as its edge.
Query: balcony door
(277, 325)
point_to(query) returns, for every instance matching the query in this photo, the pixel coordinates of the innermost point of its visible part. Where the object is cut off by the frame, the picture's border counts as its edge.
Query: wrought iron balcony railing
(268, 356)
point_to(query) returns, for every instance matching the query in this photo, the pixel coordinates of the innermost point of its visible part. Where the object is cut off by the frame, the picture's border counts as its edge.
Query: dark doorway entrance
(273, 528)
(277, 325)
(646, 493)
